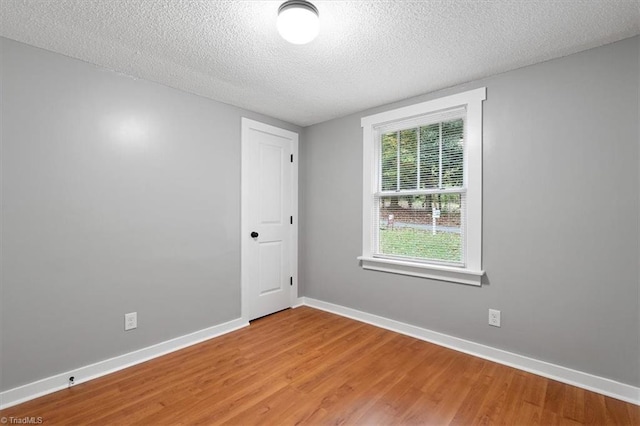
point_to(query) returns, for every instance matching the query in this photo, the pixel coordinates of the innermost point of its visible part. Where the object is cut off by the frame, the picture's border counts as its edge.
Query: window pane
(406, 227)
(429, 156)
(389, 162)
(409, 159)
(452, 154)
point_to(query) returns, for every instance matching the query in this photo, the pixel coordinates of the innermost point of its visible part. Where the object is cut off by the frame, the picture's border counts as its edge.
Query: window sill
(436, 272)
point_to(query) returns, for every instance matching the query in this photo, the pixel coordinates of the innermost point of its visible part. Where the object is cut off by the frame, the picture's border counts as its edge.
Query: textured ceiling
(368, 53)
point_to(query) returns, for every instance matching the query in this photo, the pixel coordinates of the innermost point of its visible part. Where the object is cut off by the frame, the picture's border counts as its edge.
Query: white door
(269, 222)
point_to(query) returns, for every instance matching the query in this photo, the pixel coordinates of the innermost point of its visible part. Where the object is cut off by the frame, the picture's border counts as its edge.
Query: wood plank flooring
(305, 366)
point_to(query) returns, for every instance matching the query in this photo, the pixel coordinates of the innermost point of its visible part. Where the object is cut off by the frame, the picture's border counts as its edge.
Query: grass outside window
(421, 244)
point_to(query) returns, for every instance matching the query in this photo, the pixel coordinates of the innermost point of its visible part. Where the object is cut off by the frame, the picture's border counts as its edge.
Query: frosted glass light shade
(298, 21)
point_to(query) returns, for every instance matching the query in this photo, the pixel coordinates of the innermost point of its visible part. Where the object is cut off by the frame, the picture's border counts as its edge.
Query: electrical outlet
(494, 317)
(130, 321)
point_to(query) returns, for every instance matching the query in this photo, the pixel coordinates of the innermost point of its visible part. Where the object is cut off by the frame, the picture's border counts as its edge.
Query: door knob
(254, 234)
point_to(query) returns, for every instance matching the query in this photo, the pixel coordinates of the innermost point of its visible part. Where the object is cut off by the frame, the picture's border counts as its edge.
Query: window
(422, 189)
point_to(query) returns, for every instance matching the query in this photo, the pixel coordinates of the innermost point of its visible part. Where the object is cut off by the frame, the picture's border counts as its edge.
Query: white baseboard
(562, 374)
(299, 301)
(83, 374)
(580, 379)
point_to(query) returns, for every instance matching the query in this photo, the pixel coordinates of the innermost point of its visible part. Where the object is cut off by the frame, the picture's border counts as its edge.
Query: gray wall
(560, 218)
(98, 220)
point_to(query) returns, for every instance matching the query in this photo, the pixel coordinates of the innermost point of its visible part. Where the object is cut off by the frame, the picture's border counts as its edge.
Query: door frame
(245, 227)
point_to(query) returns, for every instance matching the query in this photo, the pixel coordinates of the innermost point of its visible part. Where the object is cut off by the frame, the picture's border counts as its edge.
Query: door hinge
(290, 280)
(291, 219)
(292, 158)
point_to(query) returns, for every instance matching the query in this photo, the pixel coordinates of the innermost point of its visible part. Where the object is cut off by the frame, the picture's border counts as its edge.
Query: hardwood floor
(305, 366)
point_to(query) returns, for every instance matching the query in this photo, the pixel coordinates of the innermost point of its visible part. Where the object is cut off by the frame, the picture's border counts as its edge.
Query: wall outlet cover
(494, 317)
(130, 321)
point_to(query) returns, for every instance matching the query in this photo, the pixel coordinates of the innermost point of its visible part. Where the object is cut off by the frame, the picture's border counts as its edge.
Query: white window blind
(419, 205)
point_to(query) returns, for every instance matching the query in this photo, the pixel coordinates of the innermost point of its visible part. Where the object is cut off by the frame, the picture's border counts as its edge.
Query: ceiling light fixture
(298, 21)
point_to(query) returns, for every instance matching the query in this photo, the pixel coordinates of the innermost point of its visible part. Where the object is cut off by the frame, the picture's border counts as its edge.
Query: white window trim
(472, 272)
